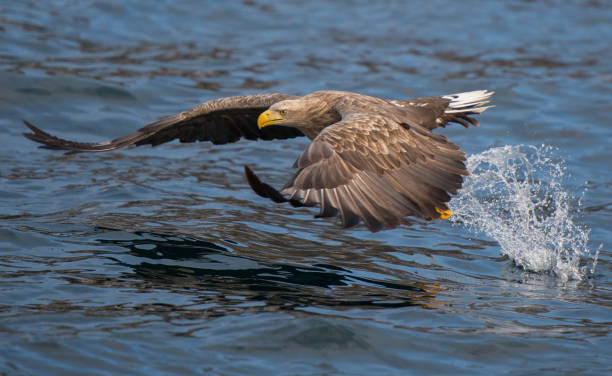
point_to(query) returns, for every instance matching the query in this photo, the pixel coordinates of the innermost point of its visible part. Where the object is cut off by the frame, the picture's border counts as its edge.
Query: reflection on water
(178, 263)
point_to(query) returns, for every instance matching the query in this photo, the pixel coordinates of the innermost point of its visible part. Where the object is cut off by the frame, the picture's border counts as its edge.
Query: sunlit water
(517, 196)
(162, 260)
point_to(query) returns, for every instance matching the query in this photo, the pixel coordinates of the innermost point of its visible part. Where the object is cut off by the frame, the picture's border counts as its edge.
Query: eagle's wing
(220, 121)
(372, 169)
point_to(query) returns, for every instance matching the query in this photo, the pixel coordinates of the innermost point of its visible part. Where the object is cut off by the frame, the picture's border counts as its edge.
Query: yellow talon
(444, 214)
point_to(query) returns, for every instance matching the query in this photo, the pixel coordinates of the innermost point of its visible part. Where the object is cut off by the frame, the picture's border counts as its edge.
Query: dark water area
(163, 261)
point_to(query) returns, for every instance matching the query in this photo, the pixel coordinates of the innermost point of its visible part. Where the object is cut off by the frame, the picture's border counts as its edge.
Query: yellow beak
(268, 118)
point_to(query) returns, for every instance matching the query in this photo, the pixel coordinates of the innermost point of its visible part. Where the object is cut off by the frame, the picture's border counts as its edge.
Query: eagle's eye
(283, 112)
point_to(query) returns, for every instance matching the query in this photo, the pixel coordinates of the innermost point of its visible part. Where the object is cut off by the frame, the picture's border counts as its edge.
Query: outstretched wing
(220, 121)
(372, 169)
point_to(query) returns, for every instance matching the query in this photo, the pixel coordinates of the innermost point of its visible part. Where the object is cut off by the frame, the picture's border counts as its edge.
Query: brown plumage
(370, 159)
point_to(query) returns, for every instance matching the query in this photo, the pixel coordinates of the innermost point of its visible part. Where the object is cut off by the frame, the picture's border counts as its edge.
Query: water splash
(515, 194)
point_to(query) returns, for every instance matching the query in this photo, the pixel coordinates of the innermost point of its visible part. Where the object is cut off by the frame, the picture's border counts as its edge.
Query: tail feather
(471, 102)
(462, 105)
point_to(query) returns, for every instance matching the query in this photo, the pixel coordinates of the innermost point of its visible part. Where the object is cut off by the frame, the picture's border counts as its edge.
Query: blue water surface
(162, 260)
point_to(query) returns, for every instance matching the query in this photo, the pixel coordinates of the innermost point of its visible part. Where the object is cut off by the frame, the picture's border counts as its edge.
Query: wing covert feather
(372, 169)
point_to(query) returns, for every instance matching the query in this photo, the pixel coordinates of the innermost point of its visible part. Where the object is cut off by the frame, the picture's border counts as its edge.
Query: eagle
(370, 159)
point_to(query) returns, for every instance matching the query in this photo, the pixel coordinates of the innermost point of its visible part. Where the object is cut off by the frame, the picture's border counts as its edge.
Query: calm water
(163, 261)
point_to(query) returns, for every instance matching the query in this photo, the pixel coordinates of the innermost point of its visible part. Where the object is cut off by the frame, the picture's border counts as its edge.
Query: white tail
(470, 102)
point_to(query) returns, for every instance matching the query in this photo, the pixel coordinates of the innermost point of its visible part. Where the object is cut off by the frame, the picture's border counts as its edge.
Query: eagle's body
(370, 159)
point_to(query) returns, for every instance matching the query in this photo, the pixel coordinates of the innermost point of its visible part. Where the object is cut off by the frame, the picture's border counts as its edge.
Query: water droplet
(516, 195)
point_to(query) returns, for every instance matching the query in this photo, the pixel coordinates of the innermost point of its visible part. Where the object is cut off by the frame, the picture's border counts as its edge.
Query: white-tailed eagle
(370, 159)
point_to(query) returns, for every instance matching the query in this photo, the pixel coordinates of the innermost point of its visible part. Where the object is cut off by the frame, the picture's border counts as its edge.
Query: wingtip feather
(261, 188)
